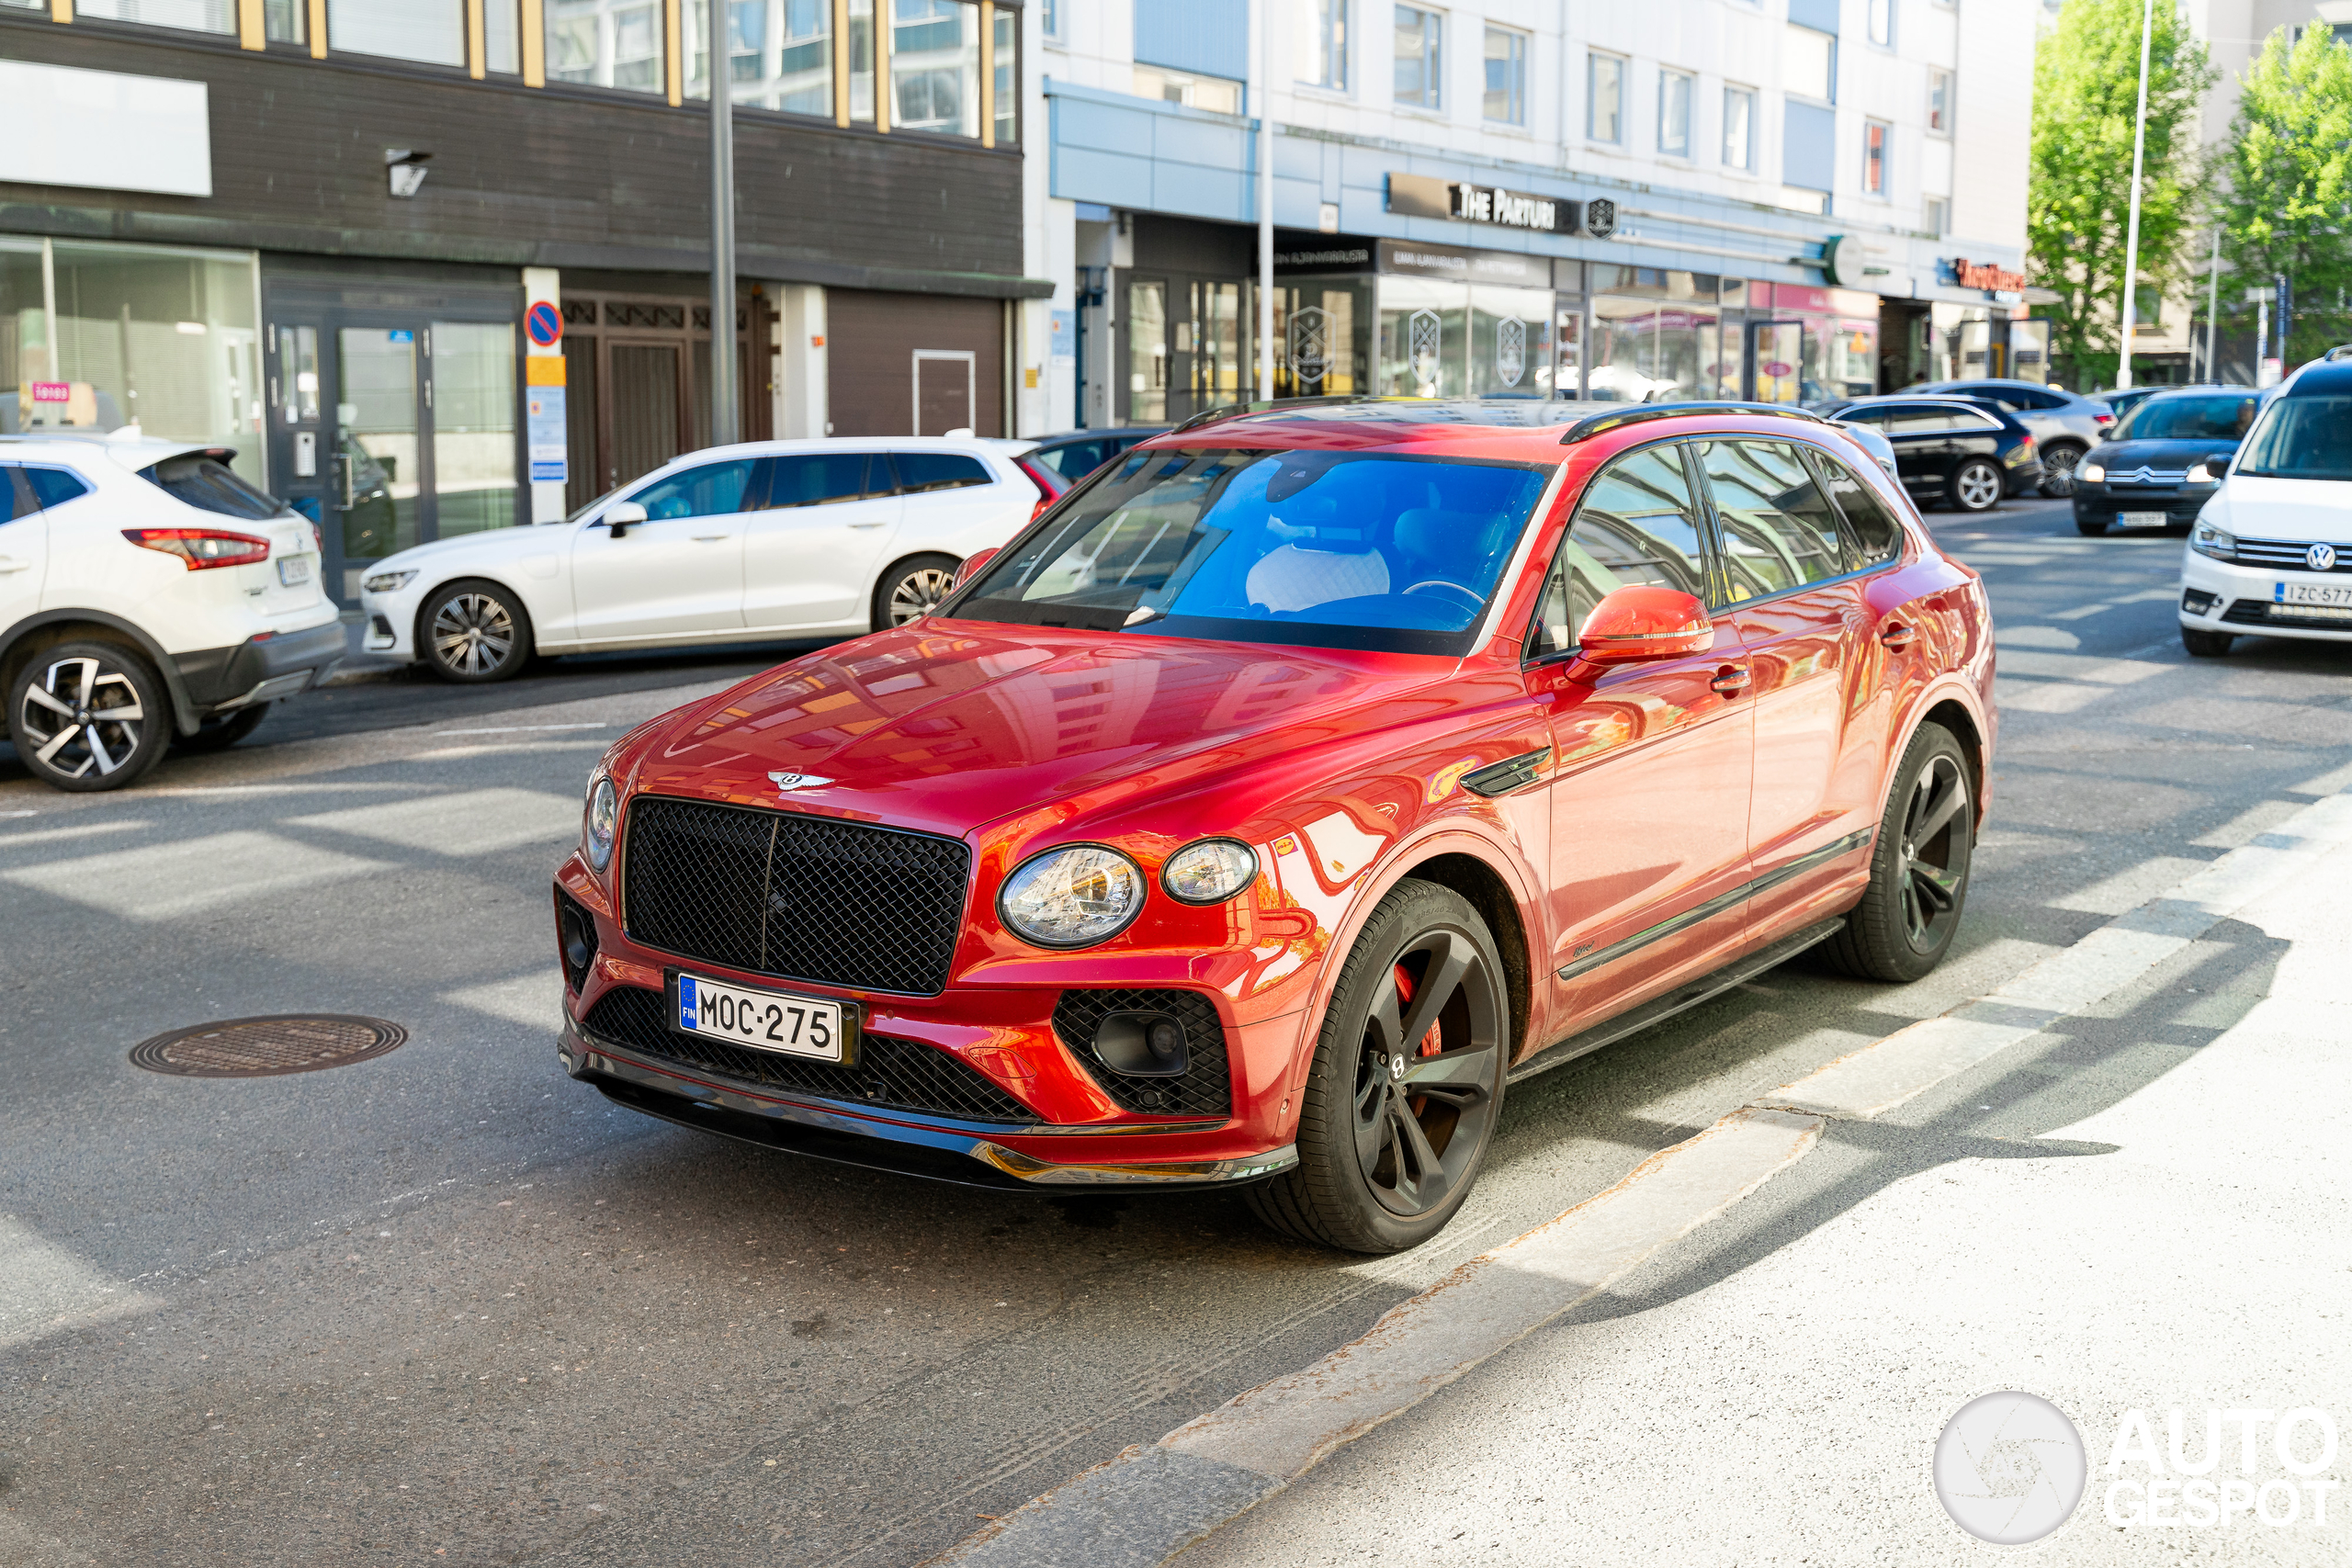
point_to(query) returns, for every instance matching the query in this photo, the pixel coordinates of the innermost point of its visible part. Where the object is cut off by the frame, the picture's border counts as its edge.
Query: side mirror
(972, 564)
(623, 516)
(1645, 622)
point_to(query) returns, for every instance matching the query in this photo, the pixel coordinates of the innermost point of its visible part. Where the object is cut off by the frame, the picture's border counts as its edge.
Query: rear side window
(822, 479)
(1077, 459)
(15, 496)
(55, 487)
(1636, 524)
(209, 485)
(1914, 420)
(1871, 533)
(1862, 416)
(1778, 529)
(921, 471)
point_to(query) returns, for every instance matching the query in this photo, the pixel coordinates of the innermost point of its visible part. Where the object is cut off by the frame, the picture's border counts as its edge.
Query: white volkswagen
(2271, 553)
(766, 540)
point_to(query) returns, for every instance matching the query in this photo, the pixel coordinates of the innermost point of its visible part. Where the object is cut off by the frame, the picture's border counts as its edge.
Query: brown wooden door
(644, 392)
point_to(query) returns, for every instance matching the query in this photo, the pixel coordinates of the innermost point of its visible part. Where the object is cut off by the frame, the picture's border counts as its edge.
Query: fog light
(1142, 1044)
(575, 940)
(2197, 602)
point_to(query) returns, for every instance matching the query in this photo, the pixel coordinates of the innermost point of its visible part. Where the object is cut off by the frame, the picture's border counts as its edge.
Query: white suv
(149, 598)
(2270, 553)
(752, 543)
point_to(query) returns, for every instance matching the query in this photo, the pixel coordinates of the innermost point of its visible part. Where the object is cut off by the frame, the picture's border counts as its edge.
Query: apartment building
(1778, 200)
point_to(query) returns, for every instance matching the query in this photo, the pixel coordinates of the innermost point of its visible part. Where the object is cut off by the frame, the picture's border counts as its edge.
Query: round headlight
(2094, 472)
(1072, 896)
(1209, 872)
(603, 815)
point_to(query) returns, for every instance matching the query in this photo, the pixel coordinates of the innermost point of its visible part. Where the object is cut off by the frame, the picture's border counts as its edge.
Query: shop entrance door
(1776, 361)
(390, 428)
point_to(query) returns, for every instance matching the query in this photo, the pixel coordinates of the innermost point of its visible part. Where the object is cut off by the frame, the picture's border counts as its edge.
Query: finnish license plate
(812, 1027)
(2334, 593)
(293, 570)
(2143, 519)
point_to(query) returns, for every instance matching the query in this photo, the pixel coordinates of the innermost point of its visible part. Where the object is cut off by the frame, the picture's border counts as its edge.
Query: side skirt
(1681, 998)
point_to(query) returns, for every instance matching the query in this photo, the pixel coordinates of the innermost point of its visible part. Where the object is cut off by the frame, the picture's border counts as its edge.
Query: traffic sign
(545, 323)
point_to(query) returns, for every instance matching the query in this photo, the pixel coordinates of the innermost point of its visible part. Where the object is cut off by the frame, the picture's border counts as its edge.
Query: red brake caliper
(1432, 1043)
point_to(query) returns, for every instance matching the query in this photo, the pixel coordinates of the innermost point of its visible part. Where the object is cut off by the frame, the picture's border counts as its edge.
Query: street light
(2131, 240)
(1263, 40)
(722, 231)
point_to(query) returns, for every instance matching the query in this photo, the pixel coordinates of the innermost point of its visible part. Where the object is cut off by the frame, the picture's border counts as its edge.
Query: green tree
(2085, 98)
(2288, 184)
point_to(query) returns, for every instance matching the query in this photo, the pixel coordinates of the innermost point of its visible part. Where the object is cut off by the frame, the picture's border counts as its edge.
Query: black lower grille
(800, 898)
(1206, 1086)
(2306, 617)
(904, 1074)
(575, 940)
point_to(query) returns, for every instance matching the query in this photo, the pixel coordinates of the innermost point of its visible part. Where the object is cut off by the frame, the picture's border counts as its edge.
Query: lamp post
(2131, 240)
(723, 423)
(1265, 108)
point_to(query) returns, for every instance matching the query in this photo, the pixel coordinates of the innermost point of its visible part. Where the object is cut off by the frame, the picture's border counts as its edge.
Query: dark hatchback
(1966, 451)
(2164, 462)
(1077, 453)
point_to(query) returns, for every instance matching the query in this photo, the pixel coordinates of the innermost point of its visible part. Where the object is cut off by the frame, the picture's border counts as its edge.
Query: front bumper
(2098, 504)
(2245, 601)
(263, 670)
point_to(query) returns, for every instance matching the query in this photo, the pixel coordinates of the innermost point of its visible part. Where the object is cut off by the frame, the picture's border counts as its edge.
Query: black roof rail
(1637, 413)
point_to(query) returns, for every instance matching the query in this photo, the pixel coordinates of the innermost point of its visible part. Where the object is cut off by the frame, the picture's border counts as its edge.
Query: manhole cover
(266, 1047)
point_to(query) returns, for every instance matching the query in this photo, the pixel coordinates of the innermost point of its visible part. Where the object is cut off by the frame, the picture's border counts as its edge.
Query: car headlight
(1072, 896)
(1209, 872)
(2201, 475)
(386, 581)
(2208, 540)
(2094, 472)
(598, 821)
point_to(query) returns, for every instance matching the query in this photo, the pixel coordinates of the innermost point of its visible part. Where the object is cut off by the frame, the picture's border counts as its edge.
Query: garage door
(913, 363)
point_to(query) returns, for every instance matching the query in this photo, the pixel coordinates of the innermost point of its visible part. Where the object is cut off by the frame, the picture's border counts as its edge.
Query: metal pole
(723, 421)
(1265, 203)
(2131, 243)
(2214, 307)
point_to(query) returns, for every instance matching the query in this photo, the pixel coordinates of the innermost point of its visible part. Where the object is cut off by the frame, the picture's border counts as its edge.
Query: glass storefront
(97, 336)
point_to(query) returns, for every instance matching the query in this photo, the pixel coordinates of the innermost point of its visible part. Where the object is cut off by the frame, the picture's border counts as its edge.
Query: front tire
(2205, 643)
(913, 589)
(1976, 485)
(88, 715)
(1406, 1083)
(1919, 885)
(474, 631)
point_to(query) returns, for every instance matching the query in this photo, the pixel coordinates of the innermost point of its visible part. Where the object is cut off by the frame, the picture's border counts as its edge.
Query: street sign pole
(2131, 241)
(1265, 108)
(723, 422)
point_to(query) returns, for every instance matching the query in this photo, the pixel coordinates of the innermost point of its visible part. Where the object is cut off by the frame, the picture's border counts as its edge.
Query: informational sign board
(544, 429)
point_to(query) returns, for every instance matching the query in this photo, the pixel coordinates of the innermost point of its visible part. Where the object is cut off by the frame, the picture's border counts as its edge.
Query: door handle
(710, 538)
(10, 563)
(877, 523)
(1731, 680)
(1897, 637)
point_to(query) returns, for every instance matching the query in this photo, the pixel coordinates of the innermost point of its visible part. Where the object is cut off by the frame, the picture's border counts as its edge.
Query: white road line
(521, 729)
(52, 835)
(481, 821)
(162, 881)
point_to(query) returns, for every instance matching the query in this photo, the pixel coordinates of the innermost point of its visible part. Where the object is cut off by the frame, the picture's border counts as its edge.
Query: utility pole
(723, 420)
(2131, 241)
(1265, 108)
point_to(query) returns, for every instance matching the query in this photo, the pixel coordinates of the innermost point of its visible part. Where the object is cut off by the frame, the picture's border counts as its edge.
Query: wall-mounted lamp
(405, 169)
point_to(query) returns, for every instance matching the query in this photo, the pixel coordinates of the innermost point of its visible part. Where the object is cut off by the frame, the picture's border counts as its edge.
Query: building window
(605, 43)
(1674, 114)
(1940, 101)
(1809, 63)
(1874, 137)
(1218, 94)
(194, 15)
(1883, 23)
(935, 66)
(1323, 43)
(1605, 99)
(399, 29)
(286, 21)
(1739, 127)
(779, 53)
(1936, 213)
(1506, 75)
(1420, 61)
(1050, 22)
(861, 62)
(1004, 66)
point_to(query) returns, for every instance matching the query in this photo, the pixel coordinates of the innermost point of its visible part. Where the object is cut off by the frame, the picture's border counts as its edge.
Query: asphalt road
(446, 1306)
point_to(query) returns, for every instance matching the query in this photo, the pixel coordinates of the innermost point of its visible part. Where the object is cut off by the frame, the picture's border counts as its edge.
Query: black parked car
(2163, 461)
(1967, 451)
(2066, 425)
(1077, 453)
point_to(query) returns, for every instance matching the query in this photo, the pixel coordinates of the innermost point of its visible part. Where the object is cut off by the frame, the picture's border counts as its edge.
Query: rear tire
(2204, 644)
(474, 631)
(1975, 486)
(1919, 885)
(2058, 471)
(1406, 1083)
(88, 715)
(219, 734)
(911, 588)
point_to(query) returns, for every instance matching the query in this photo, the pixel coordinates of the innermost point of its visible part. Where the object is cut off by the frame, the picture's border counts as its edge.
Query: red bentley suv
(1297, 784)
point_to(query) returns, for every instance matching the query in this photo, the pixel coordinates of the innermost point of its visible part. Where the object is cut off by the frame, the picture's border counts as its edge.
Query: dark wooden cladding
(559, 176)
(870, 376)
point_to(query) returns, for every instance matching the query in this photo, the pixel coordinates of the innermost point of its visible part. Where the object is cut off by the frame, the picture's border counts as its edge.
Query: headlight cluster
(598, 820)
(386, 581)
(2201, 473)
(1079, 895)
(2208, 540)
(2094, 472)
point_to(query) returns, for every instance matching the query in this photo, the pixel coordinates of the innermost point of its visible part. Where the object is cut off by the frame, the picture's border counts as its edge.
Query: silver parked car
(2064, 424)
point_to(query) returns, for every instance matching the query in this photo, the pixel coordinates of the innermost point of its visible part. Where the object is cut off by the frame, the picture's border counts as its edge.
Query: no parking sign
(544, 322)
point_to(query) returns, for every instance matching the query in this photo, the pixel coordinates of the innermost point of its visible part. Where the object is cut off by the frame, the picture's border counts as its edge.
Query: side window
(819, 478)
(1917, 421)
(55, 487)
(1077, 459)
(921, 471)
(710, 490)
(1635, 524)
(1862, 416)
(1777, 530)
(1872, 534)
(15, 496)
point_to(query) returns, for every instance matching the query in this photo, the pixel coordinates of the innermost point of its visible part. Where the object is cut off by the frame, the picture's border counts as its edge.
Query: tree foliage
(2286, 184)
(2085, 98)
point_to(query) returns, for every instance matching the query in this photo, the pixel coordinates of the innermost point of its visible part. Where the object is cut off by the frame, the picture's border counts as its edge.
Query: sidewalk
(2143, 1207)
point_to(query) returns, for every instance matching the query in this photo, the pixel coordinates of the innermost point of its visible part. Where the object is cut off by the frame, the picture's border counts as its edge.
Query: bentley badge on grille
(786, 782)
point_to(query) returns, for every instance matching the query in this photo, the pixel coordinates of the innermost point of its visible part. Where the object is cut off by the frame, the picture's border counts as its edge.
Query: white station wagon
(766, 540)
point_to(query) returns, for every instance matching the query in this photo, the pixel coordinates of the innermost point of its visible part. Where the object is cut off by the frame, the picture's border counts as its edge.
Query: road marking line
(52, 835)
(2128, 889)
(481, 821)
(160, 882)
(520, 728)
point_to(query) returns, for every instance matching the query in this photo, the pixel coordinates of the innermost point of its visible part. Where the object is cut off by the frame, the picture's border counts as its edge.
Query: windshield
(1327, 549)
(2302, 438)
(2188, 419)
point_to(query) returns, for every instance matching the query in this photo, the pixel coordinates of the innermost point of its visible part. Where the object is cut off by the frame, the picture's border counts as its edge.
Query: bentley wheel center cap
(1396, 1067)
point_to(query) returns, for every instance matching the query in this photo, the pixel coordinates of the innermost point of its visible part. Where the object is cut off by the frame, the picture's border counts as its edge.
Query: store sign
(1465, 201)
(1413, 259)
(1961, 273)
(1351, 256)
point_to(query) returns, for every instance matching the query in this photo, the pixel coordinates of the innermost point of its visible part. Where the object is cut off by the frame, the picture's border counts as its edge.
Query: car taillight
(2028, 449)
(1039, 510)
(318, 540)
(202, 548)
(2104, 418)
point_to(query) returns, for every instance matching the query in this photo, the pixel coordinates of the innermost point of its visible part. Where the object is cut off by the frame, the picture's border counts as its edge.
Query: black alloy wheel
(913, 589)
(1976, 485)
(2203, 644)
(88, 715)
(2058, 465)
(1907, 916)
(223, 730)
(1407, 1084)
(474, 631)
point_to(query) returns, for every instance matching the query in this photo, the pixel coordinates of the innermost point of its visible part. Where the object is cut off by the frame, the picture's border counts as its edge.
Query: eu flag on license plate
(686, 1019)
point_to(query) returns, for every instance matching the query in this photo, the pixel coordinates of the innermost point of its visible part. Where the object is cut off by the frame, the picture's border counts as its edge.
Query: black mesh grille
(1206, 1086)
(800, 898)
(905, 1075)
